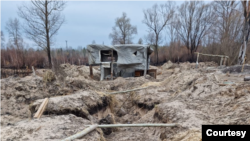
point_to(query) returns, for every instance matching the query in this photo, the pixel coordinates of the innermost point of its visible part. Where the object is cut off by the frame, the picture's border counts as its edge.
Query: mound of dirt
(80, 71)
(81, 104)
(182, 93)
(168, 65)
(16, 94)
(50, 128)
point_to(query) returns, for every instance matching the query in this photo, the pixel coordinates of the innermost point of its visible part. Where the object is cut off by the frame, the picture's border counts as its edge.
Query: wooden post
(243, 64)
(197, 60)
(34, 73)
(91, 71)
(225, 61)
(146, 62)
(112, 64)
(221, 61)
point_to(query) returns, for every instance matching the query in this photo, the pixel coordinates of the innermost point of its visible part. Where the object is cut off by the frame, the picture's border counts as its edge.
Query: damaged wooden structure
(223, 59)
(127, 60)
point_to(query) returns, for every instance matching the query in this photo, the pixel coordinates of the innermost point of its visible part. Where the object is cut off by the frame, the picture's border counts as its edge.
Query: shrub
(49, 76)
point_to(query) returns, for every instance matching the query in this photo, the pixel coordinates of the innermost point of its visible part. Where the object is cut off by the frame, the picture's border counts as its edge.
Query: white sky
(87, 20)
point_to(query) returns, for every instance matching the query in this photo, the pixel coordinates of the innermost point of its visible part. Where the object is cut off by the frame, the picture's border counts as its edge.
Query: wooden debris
(38, 128)
(41, 108)
(34, 72)
(216, 78)
(136, 125)
(82, 133)
(225, 61)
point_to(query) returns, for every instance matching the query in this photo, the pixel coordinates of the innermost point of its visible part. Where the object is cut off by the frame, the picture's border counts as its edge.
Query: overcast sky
(87, 20)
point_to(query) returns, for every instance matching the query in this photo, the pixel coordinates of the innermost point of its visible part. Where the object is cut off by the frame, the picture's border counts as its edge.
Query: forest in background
(194, 26)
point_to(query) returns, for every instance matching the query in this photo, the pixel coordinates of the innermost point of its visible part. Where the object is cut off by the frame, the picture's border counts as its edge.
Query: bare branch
(42, 19)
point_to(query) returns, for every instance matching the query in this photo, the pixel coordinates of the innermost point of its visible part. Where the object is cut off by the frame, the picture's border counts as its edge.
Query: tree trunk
(157, 55)
(156, 47)
(49, 56)
(47, 34)
(242, 52)
(243, 47)
(192, 55)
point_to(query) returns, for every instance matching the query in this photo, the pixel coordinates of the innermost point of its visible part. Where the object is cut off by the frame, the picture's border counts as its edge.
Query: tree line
(218, 27)
(174, 32)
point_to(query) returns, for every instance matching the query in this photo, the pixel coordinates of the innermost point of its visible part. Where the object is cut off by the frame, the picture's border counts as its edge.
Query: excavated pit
(78, 113)
(81, 104)
(181, 94)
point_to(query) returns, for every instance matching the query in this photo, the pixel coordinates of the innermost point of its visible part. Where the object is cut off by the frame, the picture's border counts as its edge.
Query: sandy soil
(182, 93)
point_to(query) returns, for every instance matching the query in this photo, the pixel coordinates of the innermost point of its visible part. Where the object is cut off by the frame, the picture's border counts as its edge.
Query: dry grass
(49, 76)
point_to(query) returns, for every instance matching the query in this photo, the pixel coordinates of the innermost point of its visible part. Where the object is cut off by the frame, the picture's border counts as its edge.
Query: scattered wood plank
(41, 108)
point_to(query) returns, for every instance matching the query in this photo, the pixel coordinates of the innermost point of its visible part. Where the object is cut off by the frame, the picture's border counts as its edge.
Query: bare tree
(171, 31)
(194, 21)
(246, 30)
(42, 19)
(156, 18)
(93, 42)
(14, 29)
(122, 32)
(229, 26)
(2, 49)
(150, 38)
(2, 39)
